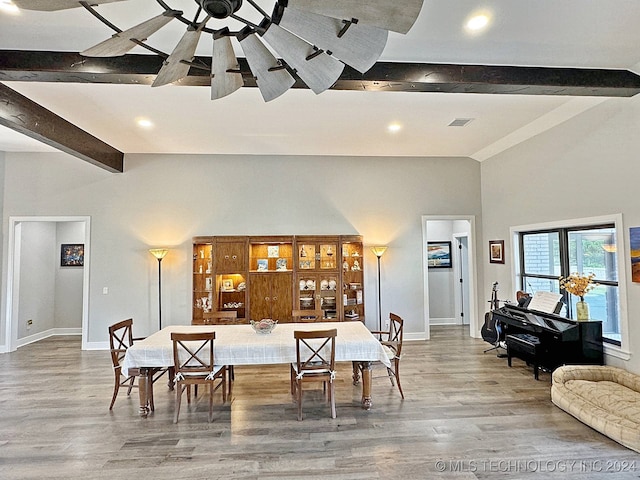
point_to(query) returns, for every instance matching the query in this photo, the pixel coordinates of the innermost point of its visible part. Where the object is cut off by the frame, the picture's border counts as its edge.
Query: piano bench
(524, 346)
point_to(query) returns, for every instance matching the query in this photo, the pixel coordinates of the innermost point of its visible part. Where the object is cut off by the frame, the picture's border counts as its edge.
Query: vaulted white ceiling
(570, 33)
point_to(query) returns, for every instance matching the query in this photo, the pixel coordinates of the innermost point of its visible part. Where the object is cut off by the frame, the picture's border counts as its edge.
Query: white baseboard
(97, 346)
(46, 334)
(443, 321)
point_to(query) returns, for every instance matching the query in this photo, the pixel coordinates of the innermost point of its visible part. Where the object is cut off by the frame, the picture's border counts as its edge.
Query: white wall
(585, 167)
(37, 278)
(68, 280)
(165, 200)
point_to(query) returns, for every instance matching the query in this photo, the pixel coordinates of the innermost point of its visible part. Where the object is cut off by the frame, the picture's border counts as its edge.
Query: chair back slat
(193, 352)
(120, 339)
(396, 331)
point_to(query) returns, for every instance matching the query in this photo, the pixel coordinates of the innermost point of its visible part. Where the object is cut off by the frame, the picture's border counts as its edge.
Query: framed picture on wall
(439, 254)
(72, 255)
(496, 251)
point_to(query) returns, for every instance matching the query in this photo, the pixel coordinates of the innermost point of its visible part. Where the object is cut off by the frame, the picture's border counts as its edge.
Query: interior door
(462, 279)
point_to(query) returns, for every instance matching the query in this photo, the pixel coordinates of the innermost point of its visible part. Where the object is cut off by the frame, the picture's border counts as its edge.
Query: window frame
(612, 347)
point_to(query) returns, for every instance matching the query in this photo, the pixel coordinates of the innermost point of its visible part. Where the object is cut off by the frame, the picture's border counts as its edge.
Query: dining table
(242, 345)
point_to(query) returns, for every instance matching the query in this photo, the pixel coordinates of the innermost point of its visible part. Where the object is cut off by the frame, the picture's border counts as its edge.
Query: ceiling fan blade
(317, 69)
(357, 45)
(396, 15)
(174, 67)
(225, 71)
(271, 76)
(122, 42)
(52, 5)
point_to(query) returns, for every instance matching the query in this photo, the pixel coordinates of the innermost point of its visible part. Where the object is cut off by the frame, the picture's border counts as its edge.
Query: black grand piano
(548, 340)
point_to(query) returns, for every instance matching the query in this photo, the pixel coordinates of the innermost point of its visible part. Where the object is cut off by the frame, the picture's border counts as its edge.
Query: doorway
(446, 300)
(58, 303)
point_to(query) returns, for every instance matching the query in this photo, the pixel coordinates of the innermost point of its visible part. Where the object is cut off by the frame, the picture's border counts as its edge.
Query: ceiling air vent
(460, 122)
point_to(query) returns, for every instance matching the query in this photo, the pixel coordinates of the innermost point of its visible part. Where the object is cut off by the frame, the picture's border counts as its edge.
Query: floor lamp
(378, 251)
(159, 253)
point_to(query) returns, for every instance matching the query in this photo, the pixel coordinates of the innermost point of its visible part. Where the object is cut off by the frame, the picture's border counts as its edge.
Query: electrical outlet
(29, 323)
(105, 290)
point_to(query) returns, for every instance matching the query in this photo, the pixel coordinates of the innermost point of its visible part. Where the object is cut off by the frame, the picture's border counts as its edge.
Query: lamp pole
(159, 253)
(378, 251)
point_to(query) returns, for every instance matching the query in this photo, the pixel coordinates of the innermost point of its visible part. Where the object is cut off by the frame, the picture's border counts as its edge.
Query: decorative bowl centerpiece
(264, 326)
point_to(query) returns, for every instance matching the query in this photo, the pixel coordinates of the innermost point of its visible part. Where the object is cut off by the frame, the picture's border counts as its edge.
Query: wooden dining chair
(223, 317)
(307, 315)
(194, 365)
(315, 362)
(120, 339)
(392, 343)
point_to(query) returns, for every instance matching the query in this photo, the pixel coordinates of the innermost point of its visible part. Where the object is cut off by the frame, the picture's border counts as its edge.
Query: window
(547, 255)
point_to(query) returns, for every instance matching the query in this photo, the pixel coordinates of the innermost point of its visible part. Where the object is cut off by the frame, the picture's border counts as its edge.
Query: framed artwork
(281, 264)
(263, 265)
(72, 255)
(227, 285)
(273, 251)
(634, 252)
(439, 254)
(496, 251)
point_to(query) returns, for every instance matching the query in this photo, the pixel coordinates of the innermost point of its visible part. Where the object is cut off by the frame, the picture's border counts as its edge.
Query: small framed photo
(263, 265)
(72, 255)
(227, 285)
(496, 251)
(439, 254)
(273, 251)
(281, 264)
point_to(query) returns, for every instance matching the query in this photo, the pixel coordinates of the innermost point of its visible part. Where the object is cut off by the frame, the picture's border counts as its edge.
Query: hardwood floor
(466, 416)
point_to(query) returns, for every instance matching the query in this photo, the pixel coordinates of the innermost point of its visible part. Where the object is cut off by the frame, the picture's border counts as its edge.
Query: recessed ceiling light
(9, 7)
(394, 127)
(478, 22)
(144, 123)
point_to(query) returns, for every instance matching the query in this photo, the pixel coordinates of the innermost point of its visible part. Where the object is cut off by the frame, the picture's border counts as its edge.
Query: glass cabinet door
(202, 281)
(352, 279)
(317, 255)
(318, 291)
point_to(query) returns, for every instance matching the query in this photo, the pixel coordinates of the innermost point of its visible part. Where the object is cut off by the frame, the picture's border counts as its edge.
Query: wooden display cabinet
(352, 277)
(270, 276)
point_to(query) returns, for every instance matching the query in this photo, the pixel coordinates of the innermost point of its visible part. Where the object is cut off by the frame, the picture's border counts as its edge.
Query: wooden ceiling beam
(27, 117)
(42, 66)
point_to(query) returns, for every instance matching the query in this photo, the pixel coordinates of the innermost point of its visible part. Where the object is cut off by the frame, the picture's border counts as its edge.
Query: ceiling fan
(314, 38)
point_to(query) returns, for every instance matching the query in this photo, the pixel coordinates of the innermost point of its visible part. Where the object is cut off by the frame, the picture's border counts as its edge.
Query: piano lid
(546, 321)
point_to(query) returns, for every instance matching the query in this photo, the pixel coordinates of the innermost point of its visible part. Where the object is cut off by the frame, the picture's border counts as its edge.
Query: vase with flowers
(579, 285)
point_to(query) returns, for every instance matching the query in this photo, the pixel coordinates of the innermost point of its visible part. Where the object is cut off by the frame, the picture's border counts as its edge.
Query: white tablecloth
(240, 345)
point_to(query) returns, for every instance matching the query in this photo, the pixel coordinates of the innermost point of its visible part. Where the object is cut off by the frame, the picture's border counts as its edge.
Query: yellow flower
(578, 285)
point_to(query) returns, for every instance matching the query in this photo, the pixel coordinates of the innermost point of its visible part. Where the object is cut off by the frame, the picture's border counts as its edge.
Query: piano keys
(562, 341)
